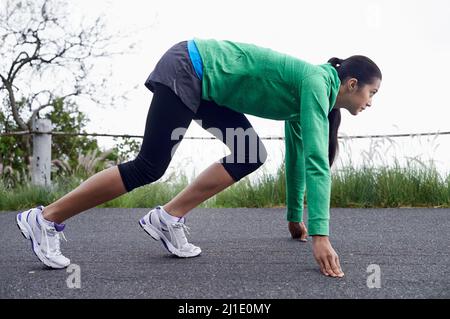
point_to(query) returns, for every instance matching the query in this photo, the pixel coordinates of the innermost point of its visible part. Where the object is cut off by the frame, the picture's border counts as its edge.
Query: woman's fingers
(328, 267)
(322, 266)
(334, 266)
(304, 236)
(339, 265)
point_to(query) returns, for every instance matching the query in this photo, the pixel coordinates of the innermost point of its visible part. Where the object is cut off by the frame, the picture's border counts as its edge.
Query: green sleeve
(295, 171)
(314, 108)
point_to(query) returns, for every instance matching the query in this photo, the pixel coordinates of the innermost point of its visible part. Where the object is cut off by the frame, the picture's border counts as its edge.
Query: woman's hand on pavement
(326, 257)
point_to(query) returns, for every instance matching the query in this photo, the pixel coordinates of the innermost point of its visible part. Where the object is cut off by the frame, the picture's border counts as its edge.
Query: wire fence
(42, 144)
(21, 133)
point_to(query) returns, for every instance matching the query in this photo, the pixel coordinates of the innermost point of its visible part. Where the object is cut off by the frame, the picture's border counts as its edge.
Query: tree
(47, 60)
(66, 150)
(68, 118)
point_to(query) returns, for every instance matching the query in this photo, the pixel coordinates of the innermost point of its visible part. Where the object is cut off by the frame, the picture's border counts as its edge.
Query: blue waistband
(195, 58)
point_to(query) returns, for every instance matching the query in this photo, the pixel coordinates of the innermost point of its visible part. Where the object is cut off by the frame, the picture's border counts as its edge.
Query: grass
(396, 186)
(411, 186)
(369, 186)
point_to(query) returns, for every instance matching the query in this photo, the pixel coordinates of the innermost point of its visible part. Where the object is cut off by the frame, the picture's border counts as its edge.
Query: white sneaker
(171, 234)
(44, 237)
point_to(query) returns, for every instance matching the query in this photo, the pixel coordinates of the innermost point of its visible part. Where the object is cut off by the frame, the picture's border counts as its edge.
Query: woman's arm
(314, 124)
(314, 105)
(295, 171)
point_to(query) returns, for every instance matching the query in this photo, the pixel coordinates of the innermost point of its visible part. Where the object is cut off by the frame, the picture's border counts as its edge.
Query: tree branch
(48, 46)
(15, 111)
(49, 103)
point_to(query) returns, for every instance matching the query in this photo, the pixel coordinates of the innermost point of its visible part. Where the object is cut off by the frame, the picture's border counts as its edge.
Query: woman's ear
(352, 84)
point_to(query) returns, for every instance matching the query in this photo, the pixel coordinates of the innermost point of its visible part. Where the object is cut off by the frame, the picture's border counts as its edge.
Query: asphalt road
(247, 253)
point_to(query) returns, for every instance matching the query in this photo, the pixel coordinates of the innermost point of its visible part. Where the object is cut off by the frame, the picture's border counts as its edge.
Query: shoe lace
(52, 245)
(178, 232)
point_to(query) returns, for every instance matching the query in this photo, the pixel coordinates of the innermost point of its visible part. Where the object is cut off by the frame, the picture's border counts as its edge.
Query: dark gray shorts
(175, 70)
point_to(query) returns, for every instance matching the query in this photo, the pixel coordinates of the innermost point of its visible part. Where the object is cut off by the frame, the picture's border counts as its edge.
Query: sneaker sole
(157, 235)
(28, 234)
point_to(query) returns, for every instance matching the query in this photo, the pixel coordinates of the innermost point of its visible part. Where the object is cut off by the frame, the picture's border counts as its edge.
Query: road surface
(247, 253)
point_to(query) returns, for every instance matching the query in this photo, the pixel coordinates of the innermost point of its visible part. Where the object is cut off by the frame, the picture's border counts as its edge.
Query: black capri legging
(167, 121)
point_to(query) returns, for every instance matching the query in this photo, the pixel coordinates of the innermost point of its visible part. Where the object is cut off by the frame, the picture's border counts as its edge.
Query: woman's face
(357, 98)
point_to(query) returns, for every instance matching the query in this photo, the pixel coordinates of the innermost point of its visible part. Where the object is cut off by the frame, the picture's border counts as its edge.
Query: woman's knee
(261, 157)
(238, 169)
(262, 153)
(257, 156)
(141, 171)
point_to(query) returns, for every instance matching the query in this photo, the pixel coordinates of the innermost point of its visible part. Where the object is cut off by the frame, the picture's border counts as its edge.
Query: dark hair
(365, 71)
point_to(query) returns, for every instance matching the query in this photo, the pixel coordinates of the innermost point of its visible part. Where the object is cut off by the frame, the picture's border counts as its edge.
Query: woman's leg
(97, 189)
(247, 154)
(167, 114)
(211, 181)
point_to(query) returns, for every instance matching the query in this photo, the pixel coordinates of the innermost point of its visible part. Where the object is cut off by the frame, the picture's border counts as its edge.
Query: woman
(215, 83)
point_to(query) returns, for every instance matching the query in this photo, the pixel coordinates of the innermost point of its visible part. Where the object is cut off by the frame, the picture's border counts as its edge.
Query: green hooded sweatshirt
(265, 83)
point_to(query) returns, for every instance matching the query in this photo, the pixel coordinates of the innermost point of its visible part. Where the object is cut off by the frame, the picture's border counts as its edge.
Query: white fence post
(42, 153)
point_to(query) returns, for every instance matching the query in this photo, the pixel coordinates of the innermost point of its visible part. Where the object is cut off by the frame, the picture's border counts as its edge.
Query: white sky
(409, 40)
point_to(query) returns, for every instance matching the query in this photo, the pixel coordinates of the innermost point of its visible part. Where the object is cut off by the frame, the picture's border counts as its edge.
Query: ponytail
(336, 62)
